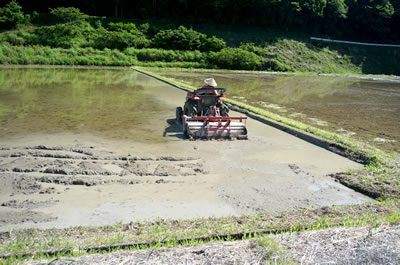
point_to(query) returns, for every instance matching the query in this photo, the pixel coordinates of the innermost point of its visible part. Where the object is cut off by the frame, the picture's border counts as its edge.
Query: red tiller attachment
(214, 127)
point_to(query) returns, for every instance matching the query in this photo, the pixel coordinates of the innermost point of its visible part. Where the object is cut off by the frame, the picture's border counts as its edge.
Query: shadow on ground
(173, 129)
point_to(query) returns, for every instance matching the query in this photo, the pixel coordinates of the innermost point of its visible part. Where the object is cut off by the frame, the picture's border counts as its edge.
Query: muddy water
(368, 110)
(110, 103)
(92, 147)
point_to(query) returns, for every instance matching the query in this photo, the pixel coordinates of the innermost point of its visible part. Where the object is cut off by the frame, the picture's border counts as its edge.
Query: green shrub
(235, 58)
(160, 55)
(144, 27)
(178, 39)
(251, 47)
(119, 40)
(186, 39)
(277, 66)
(174, 64)
(213, 44)
(20, 37)
(64, 35)
(57, 56)
(124, 27)
(68, 14)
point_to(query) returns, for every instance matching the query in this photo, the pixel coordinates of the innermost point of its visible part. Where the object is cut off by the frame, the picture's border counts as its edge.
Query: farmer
(210, 83)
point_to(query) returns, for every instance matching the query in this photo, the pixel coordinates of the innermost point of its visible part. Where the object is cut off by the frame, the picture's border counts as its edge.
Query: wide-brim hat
(210, 82)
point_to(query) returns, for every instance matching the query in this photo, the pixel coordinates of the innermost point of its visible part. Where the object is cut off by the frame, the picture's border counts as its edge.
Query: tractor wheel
(179, 114)
(224, 110)
(191, 109)
(187, 135)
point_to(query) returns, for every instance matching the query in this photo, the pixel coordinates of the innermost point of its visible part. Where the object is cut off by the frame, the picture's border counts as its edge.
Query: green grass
(274, 252)
(10, 54)
(169, 233)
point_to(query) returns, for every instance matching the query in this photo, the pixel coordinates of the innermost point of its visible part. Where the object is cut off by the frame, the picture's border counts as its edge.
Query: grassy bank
(290, 56)
(100, 41)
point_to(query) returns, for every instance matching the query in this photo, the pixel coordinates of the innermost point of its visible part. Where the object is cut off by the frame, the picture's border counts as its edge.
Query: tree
(370, 18)
(314, 7)
(335, 13)
(11, 16)
(68, 14)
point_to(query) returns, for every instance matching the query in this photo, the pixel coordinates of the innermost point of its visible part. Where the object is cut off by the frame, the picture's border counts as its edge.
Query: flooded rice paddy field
(94, 147)
(368, 110)
(118, 104)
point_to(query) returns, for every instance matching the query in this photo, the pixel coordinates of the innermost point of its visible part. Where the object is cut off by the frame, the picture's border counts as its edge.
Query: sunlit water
(124, 104)
(364, 109)
(120, 104)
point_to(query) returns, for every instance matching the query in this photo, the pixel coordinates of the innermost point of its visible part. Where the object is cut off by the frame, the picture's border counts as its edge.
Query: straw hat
(210, 82)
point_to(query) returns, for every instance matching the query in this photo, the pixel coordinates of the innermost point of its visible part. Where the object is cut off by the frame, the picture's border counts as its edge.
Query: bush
(79, 34)
(235, 58)
(213, 44)
(277, 66)
(251, 47)
(68, 14)
(64, 35)
(173, 64)
(11, 16)
(57, 56)
(20, 37)
(178, 39)
(186, 39)
(119, 39)
(160, 55)
(124, 27)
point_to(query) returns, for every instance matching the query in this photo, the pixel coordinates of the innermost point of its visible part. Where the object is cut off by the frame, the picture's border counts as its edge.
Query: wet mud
(39, 170)
(134, 163)
(102, 182)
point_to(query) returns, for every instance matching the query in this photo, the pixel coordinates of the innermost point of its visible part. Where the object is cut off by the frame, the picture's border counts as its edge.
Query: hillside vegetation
(75, 38)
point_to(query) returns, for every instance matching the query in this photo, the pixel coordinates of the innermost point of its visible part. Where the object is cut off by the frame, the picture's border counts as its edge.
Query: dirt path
(72, 179)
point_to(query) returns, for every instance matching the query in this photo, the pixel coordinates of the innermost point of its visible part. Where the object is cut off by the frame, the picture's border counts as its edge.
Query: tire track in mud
(83, 166)
(29, 170)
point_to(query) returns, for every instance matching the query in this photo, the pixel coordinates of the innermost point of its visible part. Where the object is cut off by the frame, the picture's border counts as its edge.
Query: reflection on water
(112, 103)
(365, 109)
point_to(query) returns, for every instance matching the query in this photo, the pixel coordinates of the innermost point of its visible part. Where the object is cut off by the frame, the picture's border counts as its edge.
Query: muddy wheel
(187, 135)
(190, 109)
(224, 110)
(179, 114)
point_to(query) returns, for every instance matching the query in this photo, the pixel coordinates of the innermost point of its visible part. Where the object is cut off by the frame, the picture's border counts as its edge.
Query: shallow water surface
(363, 109)
(121, 104)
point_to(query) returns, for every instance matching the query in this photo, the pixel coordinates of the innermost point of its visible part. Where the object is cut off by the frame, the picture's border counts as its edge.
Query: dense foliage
(10, 54)
(68, 14)
(373, 20)
(71, 37)
(11, 16)
(187, 39)
(236, 58)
